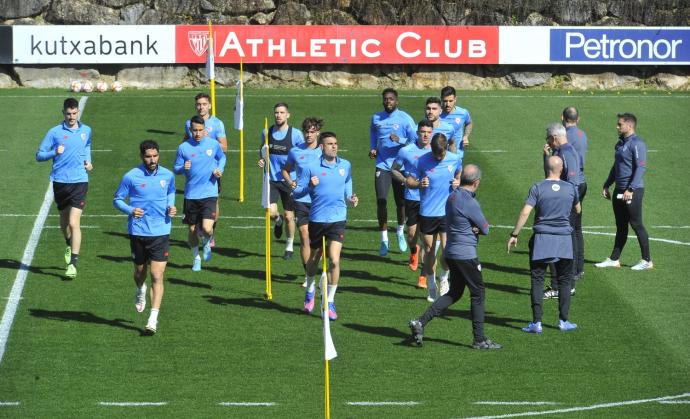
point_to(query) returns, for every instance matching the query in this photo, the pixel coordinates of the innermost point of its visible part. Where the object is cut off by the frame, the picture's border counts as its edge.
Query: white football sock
(331, 292)
(384, 236)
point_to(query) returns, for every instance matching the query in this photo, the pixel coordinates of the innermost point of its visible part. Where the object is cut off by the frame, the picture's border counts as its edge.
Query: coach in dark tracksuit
(464, 222)
(578, 139)
(627, 172)
(557, 143)
(552, 200)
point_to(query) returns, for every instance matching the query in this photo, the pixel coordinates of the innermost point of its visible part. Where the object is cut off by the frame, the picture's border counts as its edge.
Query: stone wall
(352, 12)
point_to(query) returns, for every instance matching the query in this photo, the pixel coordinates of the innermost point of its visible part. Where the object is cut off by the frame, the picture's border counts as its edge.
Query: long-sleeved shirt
(298, 158)
(153, 192)
(214, 127)
(206, 156)
(462, 213)
(629, 165)
(572, 164)
(460, 118)
(578, 139)
(432, 199)
(328, 198)
(68, 167)
(407, 159)
(383, 124)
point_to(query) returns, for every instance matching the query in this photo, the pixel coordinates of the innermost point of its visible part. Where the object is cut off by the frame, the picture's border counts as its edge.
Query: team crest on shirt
(209, 129)
(556, 187)
(396, 126)
(163, 183)
(451, 168)
(458, 120)
(83, 136)
(209, 152)
(342, 172)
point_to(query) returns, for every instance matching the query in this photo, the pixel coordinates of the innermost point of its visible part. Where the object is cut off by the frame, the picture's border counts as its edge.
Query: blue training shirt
(407, 159)
(383, 124)
(68, 167)
(328, 198)
(298, 158)
(630, 164)
(462, 213)
(206, 156)
(153, 192)
(214, 128)
(279, 151)
(578, 139)
(432, 202)
(460, 118)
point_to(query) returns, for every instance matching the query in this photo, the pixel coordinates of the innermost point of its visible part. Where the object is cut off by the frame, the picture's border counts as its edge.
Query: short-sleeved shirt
(68, 167)
(407, 159)
(206, 156)
(553, 201)
(462, 213)
(383, 124)
(432, 199)
(298, 158)
(153, 192)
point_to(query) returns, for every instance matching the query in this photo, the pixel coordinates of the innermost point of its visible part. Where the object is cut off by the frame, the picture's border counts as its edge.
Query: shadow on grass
(15, 265)
(192, 284)
(235, 253)
(253, 302)
(404, 337)
(84, 317)
(368, 276)
(366, 257)
(160, 131)
(489, 318)
(507, 269)
(377, 292)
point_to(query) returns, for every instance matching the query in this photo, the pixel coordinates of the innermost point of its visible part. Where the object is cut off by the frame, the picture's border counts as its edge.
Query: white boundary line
(131, 404)
(410, 403)
(9, 404)
(675, 402)
(583, 408)
(248, 404)
(492, 403)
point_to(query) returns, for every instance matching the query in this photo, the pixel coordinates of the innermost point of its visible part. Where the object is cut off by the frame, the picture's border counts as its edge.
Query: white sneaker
(140, 299)
(151, 326)
(643, 265)
(608, 263)
(444, 286)
(304, 284)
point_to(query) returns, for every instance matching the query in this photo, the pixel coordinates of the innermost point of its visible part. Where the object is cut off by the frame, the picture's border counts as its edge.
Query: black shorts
(383, 180)
(280, 189)
(302, 213)
(332, 231)
(218, 183)
(432, 225)
(196, 210)
(149, 248)
(70, 194)
(411, 212)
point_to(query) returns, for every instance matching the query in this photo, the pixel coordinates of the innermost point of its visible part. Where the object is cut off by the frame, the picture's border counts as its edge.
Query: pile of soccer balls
(101, 86)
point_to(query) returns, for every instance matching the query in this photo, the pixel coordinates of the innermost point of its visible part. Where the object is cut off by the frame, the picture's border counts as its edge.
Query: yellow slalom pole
(213, 81)
(269, 292)
(241, 139)
(324, 289)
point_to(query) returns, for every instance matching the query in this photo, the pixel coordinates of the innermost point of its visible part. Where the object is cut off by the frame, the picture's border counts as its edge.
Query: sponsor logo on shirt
(556, 187)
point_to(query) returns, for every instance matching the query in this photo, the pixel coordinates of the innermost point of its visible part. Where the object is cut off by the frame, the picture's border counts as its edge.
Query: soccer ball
(87, 86)
(75, 86)
(101, 86)
(116, 86)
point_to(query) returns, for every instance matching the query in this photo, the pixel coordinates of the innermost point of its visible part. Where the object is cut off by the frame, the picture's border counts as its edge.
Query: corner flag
(329, 348)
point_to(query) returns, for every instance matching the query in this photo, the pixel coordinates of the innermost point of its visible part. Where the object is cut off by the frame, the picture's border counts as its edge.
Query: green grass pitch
(76, 344)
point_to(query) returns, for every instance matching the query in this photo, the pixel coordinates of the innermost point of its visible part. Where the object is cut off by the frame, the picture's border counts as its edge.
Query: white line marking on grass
(675, 402)
(101, 151)
(20, 279)
(9, 403)
(599, 233)
(132, 404)
(383, 403)
(485, 151)
(86, 226)
(248, 404)
(583, 408)
(516, 403)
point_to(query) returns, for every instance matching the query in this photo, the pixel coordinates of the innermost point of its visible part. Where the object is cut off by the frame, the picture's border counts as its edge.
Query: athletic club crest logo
(458, 121)
(163, 183)
(342, 172)
(396, 126)
(450, 168)
(209, 152)
(556, 187)
(83, 136)
(198, 42)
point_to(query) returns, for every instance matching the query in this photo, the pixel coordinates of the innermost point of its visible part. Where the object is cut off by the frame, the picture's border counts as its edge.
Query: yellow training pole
(241, 138)
(212, 51)
(269, 292)
(324, 291)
